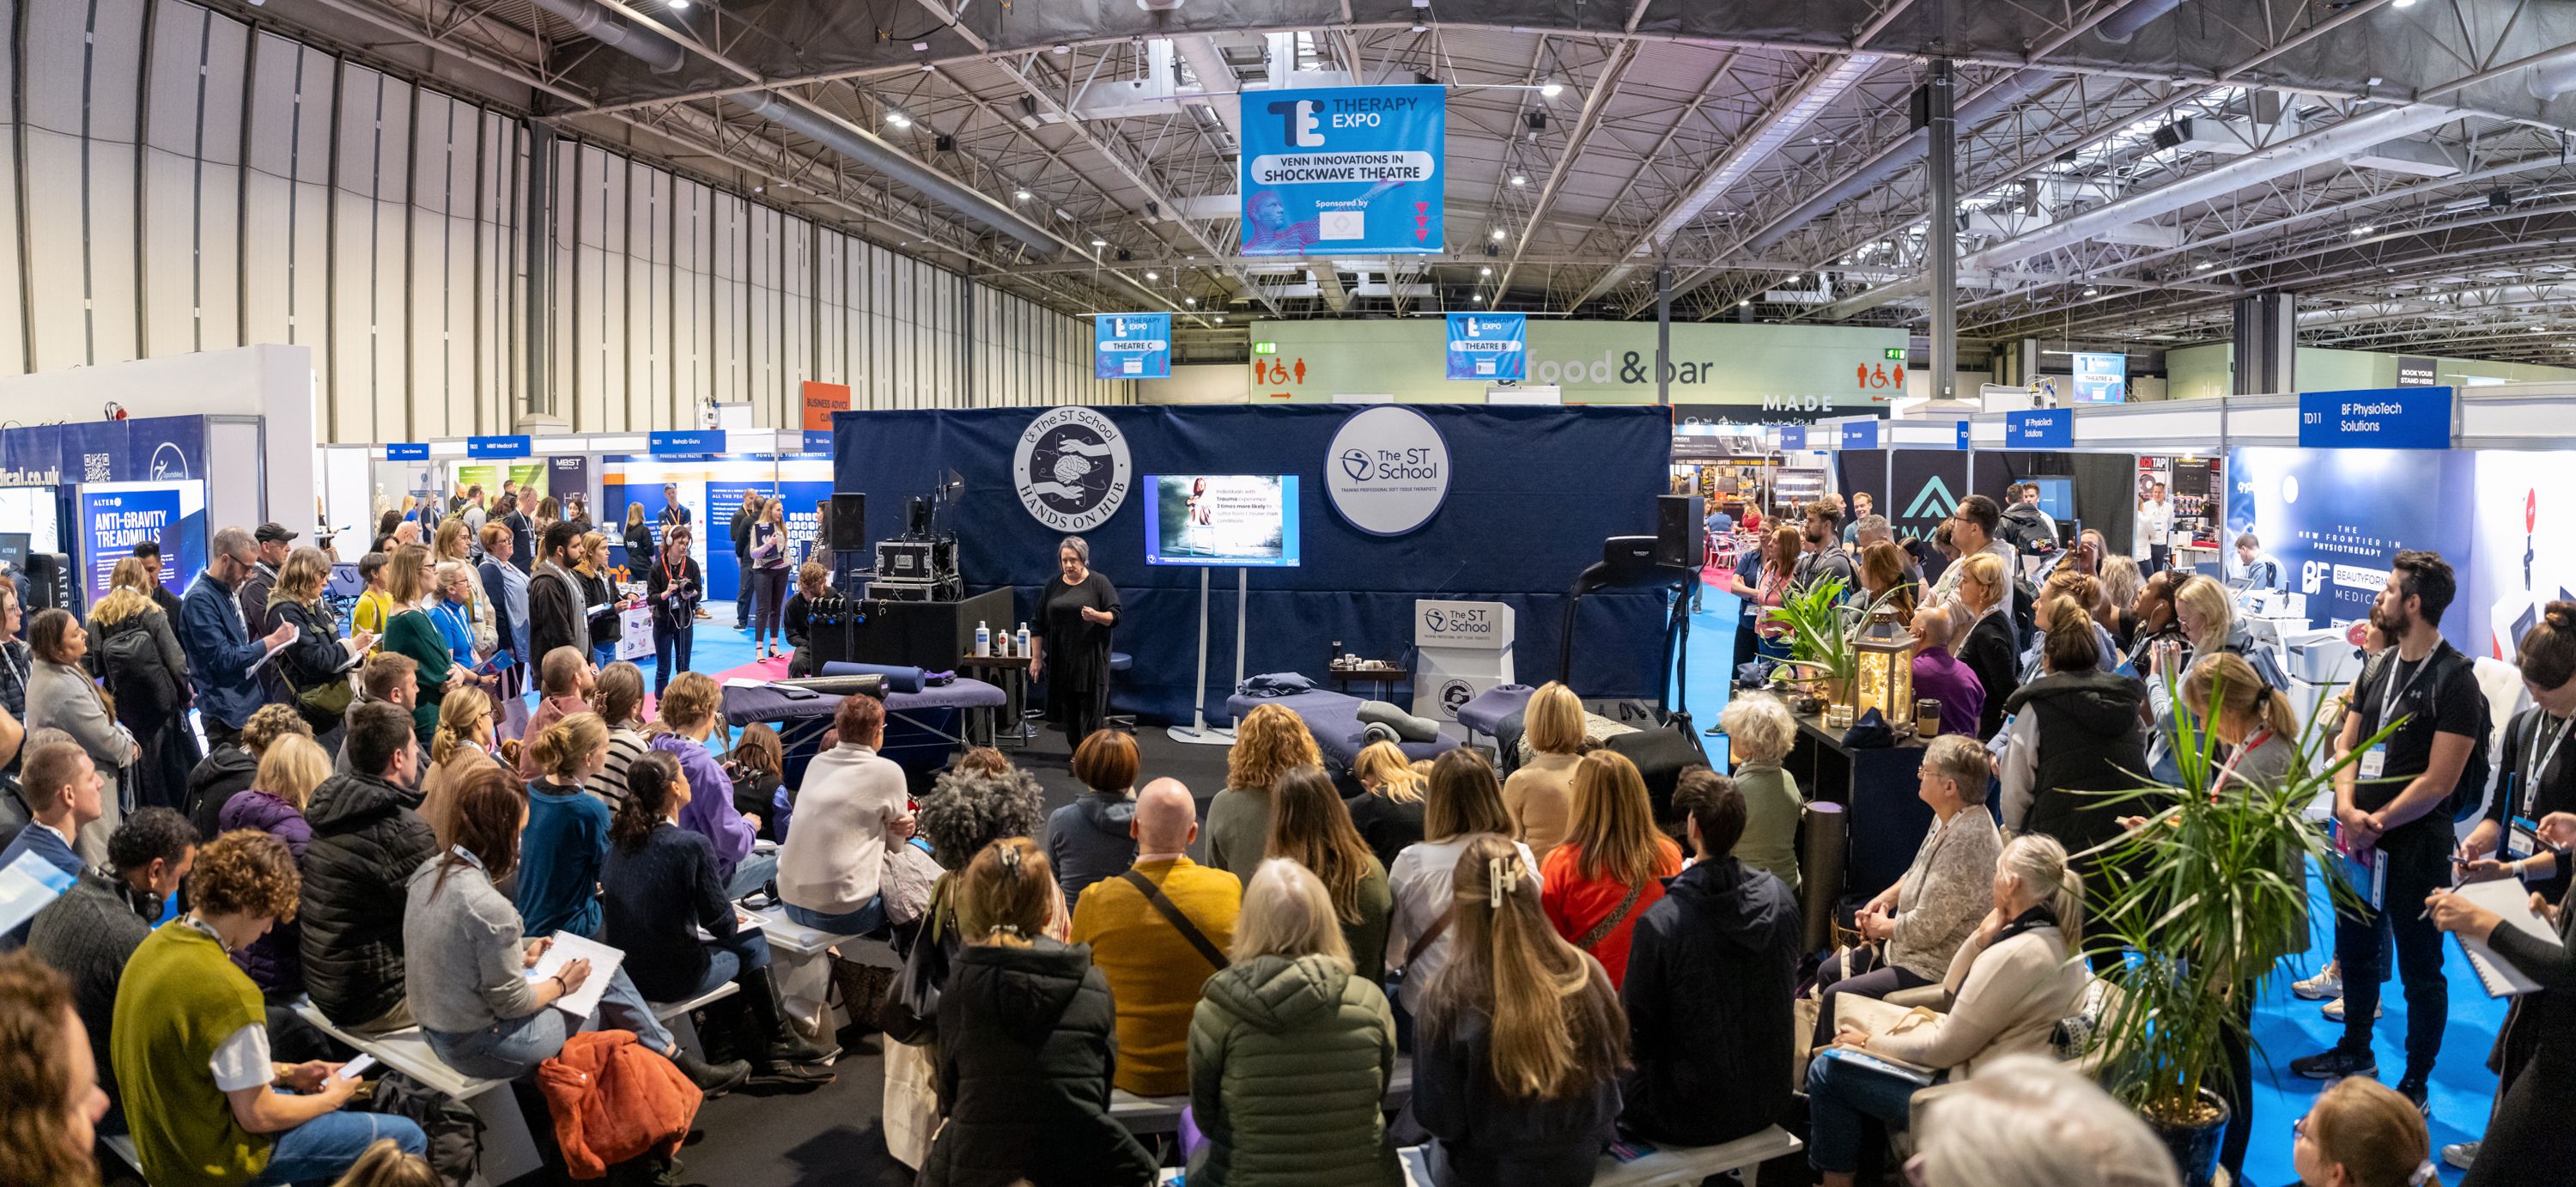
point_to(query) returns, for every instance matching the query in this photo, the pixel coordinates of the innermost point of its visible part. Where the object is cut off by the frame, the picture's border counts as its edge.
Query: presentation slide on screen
(1228, 520)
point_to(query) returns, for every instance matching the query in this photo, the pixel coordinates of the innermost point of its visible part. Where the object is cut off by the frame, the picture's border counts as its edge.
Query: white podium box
(1463, 649)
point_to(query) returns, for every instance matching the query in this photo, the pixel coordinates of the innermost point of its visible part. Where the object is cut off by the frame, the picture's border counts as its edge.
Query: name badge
(2522, 839)
(2375, 761)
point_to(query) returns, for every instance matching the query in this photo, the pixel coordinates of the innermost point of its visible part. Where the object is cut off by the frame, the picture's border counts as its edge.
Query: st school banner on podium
(1345, 170)
(1129, 346)
(1488, 346)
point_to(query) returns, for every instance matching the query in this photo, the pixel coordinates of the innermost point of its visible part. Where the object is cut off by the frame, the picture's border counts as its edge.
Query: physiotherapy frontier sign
(1351, 170)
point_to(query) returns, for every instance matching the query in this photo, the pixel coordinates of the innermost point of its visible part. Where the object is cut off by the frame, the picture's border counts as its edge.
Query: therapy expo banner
(1488, 346)
(1353, 170)
(1131, 346)
(153, 450)
(1465, 502)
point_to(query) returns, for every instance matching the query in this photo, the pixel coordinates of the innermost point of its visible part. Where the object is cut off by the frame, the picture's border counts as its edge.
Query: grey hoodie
(1088, 840)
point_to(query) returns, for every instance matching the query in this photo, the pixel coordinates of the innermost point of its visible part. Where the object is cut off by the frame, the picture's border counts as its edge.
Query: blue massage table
(1334, 719)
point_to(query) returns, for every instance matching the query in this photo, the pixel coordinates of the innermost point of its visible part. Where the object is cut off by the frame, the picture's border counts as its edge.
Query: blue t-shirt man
(1719, 523)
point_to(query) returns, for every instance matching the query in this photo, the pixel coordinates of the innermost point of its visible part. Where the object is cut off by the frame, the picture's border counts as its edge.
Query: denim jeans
(321, 1150)
(757, 868)
(603, 654)
(513, 1047)
(670, 652)
(857, 923)
(1842, 1097)
(748, 951)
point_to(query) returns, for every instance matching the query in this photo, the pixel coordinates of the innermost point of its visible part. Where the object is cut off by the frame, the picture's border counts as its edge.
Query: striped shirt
(624, 744)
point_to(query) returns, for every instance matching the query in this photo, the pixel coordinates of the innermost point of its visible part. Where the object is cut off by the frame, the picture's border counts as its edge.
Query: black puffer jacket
(1711, 970)
(365, 844)
(2090, 741)
(214, 781)
(1025, 1054)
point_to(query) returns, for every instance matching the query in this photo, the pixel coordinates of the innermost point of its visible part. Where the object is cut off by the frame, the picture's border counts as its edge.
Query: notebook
(1878, 1018)
(2512, 904)
(26, 885)
(568, 947)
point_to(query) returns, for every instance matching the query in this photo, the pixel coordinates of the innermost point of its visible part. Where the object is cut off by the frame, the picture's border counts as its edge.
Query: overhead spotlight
(1419, 27)
(2363, 229)
(1061, 48)
(1190, 301)
(1744, 302)
(679, 5)
(1150, 274)
(897, 119)
(1551, 89)
(1220, 319)
(1499, 236)
(2203, 266)
(1484, 271)
(2089, 290)
(1517, 179)
(1100, 243)
(2402, 4)
(759, 189)
(1020, 195)
(921, 47)
(1793, 278)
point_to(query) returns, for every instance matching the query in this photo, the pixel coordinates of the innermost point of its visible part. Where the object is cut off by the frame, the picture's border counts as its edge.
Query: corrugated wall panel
(13, 303)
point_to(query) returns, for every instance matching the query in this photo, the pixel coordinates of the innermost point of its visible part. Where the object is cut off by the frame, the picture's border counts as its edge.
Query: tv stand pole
(1198, 732)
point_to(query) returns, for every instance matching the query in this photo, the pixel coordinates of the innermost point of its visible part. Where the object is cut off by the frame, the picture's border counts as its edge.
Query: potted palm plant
(1821, 628)
(2208, 892)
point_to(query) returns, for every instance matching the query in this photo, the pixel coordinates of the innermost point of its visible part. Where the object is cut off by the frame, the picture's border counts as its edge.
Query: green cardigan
(410, 632)
(1289, 1061)
(179, 999)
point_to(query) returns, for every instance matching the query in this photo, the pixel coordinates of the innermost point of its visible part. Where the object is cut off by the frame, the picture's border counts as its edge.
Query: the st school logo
(1071, 469)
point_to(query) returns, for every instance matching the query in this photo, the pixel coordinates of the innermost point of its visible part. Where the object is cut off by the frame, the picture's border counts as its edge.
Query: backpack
(453, 1129)
(2468, 797)
(144, 690)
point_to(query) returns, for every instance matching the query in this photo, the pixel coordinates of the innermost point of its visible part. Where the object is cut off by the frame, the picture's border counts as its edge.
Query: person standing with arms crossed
(2389, 803)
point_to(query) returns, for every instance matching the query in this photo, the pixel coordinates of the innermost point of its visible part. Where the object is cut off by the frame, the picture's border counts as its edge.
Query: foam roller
(898, 678)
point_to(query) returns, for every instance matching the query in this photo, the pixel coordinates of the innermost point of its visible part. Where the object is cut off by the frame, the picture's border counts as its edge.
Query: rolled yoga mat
(897, 677)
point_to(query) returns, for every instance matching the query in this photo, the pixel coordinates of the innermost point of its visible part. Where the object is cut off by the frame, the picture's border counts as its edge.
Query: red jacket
(613, 1100)
(1576, 904)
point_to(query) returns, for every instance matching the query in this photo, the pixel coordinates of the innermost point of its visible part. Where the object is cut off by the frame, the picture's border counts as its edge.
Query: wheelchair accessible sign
(1488, 346)
(1131, 346)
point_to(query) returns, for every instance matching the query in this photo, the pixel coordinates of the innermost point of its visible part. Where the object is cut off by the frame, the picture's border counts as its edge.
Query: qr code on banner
(1341, 224)
(94, 467)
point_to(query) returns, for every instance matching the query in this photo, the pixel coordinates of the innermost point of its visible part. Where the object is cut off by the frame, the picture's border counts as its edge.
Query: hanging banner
(2101, 378)
(1488, 346)
(2048, 428)
(685, 442)
(513, 445)
(1859, 434)
(407, 451)
(1346, 170)
(1793, 437)
(1129, 346)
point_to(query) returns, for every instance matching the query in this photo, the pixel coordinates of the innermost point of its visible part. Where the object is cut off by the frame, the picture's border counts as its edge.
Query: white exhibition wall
(189, 183)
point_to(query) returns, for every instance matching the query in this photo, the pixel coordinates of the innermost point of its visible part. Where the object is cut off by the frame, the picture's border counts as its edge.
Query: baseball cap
(272, 533)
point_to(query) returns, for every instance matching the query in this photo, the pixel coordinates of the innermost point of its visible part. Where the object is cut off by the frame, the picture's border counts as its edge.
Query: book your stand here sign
(2377, 418)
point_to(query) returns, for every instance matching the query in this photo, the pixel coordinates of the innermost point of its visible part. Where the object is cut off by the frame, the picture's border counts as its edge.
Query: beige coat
(2005, 1000)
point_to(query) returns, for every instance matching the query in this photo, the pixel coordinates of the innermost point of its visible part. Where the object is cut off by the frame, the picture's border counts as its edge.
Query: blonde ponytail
(458, 714)
(1556, 1025)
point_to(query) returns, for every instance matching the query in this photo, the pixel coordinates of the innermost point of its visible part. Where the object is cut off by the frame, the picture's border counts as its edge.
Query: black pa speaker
(849, 522)
(1679, 527)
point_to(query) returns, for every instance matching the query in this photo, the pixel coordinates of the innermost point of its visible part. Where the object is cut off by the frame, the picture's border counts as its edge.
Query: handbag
(910, 1012)
(909, 878)
(331, 698)
(911, 1107)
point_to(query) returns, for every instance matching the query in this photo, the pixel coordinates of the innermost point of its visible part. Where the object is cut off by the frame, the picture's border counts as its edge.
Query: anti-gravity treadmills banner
(1531, 494)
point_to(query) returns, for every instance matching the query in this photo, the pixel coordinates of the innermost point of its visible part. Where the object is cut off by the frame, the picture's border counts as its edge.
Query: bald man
(1939, 676)
(1158, 932)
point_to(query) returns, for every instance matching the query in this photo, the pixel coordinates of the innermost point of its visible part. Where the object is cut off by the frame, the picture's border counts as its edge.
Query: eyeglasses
(2299, 1126)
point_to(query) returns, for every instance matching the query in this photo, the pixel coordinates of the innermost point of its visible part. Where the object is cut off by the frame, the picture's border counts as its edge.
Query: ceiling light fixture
(1220, 319)
(1551, 89)
(679, 5)
(1150, 274)
(1517, 179)
(1019, 195)
(1100, 243)
(2089, 290)
(1190, 301)
(897, 118)
(1484, 271)
(2363, 229)
(2204, 267)
(1498, 234)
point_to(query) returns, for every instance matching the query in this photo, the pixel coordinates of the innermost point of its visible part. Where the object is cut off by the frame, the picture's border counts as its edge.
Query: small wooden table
(1384, 675)
(1877, 787)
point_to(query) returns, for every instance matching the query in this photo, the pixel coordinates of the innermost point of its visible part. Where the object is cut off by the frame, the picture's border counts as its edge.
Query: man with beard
(1825, 556)
(2391, 806)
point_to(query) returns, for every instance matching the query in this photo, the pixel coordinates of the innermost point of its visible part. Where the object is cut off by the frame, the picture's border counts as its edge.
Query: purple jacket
(710, 812)
(1940, 676)
(274, 960)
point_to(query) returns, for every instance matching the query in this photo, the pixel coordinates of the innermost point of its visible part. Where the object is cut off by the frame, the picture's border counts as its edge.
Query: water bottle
(983, 640)
(1023, 641)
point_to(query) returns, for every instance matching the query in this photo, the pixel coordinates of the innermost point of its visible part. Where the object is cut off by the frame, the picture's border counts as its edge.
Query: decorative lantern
(1883, 671)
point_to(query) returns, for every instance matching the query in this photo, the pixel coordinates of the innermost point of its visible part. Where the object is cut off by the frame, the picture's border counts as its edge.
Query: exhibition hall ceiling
(2128, 168)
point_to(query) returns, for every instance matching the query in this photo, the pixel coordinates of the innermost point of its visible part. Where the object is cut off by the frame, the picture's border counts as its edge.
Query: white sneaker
(2327, 983)
(2461, 1154)
(2333, 1010)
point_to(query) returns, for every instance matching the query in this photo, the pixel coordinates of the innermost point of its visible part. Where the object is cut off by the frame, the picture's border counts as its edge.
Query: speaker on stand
(846, 534)
(1680, 528)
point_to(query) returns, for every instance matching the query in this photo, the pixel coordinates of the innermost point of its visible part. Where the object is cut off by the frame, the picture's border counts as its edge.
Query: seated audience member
(1759, 732)
(2025, 1121)
(2076, 591)
(1613, 863)
(567, 833)
(2075, 734)
(386, 1164)
(1134, 926)
(1025, 1043)
(1388, 810)
(1309, 826)
(465, 957)
(1985, 646)
(62, 696)
(854, 801)
(662, 892)
(1520, 1042)
(757, 766)
(191, 1042)
(566, 677)
(1094, 837)
(812, 581)
(1540, 793)
(1290, 1051)
(2121, 582)
(389, 678)
(1939, 676)
(463, 743)
(1462, 801)
(1919, 923)
(62, 790)
(690, 708)
(1270, 741)
(288, 774)
(1710, 973)
(49, 1087)
(234, 765)
(365, 843)
(2362, 1133)
(2009, 987)
(618, 697)
(981, 798)
(93, 929)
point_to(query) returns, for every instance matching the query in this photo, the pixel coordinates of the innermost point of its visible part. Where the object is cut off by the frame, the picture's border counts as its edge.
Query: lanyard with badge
(2522, 834)
(2374, 763)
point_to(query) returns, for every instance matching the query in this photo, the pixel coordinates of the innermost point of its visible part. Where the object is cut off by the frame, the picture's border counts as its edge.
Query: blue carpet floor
(2284, 1026)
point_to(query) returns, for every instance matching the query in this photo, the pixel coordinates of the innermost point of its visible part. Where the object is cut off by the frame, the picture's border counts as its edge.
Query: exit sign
(1265, 348)
(1896, 354)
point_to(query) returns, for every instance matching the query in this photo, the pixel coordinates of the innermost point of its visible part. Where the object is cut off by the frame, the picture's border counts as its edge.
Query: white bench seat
(509, 1149)
(1668, 1166)
(666, 1011)
(1149, 1115)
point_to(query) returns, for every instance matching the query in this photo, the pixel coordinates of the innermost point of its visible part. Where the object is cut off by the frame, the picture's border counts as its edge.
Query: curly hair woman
(1268, 743)
(50, 1100)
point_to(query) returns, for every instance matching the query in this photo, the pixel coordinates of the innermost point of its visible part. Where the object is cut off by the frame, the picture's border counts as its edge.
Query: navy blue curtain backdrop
(1532, 494)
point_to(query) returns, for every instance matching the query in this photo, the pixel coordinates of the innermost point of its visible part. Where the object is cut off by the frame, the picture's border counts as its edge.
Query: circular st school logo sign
(1072, 469)
(1387, 470)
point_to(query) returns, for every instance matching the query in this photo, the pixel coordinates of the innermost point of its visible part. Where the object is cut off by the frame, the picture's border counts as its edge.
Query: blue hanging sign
(686, 442)
(2046, 428)
(1793, 437)
(1963, 434)
(2381, 418)
(1345, 170)
(510, 446)
(1131, 346)
(818, 440)
(1488, 346)
(407, 451)
(1860, 435)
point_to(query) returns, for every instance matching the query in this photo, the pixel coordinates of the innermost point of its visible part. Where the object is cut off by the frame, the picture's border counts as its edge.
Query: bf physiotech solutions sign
(1349, 170)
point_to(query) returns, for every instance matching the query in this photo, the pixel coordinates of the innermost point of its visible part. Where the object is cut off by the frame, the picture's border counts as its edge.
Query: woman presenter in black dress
(1069, 644)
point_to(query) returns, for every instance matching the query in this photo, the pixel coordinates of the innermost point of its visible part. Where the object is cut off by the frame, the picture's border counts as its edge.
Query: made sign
(2378, 418)
(2049, 428)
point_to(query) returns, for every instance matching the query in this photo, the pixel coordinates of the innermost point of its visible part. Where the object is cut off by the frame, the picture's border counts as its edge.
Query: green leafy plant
(1821, 628)
(2209, 893)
